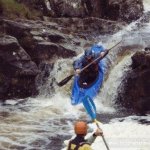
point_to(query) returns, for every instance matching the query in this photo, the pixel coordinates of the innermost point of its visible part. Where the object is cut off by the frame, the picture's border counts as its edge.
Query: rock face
(136, 93)
(89, 26)
(126, 10)
(17, 69)
(24, 46)
(40, 39)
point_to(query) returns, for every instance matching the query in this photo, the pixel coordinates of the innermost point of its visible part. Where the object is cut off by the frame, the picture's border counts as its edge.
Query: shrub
(13, 9)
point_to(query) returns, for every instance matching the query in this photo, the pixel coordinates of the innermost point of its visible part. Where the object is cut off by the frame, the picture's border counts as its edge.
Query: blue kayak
(80, 92)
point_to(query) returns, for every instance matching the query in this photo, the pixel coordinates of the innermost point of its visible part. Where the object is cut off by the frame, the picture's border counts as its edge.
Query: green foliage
(13, 9)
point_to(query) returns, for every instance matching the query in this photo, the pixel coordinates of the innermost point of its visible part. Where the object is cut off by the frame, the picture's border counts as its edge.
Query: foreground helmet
(80, 128)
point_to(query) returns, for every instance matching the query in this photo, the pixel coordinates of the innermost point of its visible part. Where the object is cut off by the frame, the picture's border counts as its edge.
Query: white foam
(146, 5)
(106, 99)
(125, 135)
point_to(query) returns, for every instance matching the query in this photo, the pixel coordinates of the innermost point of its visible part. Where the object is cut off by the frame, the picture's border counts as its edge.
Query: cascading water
(46, 121)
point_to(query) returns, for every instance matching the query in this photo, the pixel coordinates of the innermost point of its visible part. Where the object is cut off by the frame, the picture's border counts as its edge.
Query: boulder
(136, 91)
(45, 51)
(78, 8)
(18, 71)
(127, 10)
(39, 38)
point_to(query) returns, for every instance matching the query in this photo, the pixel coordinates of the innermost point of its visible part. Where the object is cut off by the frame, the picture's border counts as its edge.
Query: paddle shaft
(102, 136)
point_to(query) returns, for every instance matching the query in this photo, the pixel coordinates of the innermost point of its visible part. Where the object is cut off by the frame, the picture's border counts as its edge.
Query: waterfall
(46, 121)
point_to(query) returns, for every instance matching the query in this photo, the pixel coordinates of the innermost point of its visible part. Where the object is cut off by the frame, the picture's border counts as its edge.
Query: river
(46, 121)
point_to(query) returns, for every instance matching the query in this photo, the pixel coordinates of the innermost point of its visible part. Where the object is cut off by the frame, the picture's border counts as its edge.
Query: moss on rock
(12, 9)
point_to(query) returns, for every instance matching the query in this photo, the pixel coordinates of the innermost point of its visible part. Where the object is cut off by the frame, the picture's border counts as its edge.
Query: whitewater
(46, 121)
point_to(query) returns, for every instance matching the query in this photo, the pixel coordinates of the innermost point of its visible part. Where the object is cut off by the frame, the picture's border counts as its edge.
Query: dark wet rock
(74, 8)
(37, 35)
(89, 26)
(147, 48)
(16, 58)
(48, 50)
(127, 10)
(17, 70)
(131, 10)
(136, 92)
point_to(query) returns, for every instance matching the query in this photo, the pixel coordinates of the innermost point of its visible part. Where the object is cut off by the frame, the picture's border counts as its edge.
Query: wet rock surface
(126, 10)
(17, 69)
(136, 91)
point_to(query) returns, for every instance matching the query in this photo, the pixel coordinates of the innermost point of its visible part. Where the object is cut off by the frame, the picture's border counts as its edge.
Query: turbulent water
(46, 122)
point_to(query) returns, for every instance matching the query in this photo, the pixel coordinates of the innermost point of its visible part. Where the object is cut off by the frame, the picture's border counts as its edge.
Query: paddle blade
(64, 81)
(89, 107)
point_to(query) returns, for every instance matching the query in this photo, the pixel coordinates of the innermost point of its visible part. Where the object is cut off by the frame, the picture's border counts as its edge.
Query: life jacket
(93, 67)
(79, 144)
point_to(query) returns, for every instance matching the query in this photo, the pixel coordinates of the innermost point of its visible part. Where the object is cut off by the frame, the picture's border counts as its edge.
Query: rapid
(46, 121)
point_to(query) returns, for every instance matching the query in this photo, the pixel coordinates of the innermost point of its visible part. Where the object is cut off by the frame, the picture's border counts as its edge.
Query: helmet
(99, 43)
(80, 127)
(88, 53)
(94, 50)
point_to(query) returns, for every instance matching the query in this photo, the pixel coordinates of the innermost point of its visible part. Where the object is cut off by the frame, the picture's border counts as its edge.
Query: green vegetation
(13, 9)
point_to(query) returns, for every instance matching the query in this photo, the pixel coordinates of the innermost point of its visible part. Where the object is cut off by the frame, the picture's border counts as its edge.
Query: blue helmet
(88, 52)
(94, 50)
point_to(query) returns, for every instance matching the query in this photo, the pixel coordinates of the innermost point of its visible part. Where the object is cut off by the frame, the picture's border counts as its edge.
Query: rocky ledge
(136, 90)
(17, 69)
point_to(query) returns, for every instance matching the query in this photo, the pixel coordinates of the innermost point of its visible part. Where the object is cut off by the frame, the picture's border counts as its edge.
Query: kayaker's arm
(92, 138)
(78, 65)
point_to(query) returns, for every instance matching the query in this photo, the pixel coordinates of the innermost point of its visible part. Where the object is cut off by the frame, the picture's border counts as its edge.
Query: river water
(46, 122)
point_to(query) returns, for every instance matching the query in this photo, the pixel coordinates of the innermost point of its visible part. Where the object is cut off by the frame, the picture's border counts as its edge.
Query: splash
(146, 5)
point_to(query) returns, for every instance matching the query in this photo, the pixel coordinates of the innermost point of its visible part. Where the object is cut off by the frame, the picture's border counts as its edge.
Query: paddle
(91, 110)
(64, 81)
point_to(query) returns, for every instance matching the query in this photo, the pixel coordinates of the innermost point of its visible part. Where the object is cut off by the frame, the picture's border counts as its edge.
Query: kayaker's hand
(77, 71)
(102, 54)
(98, 132)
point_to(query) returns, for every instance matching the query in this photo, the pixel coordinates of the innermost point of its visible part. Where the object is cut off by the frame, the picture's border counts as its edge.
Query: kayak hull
(78, 93)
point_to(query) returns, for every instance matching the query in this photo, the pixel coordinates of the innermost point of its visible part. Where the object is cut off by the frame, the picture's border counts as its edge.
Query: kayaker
(79, 143)
(89, 75)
